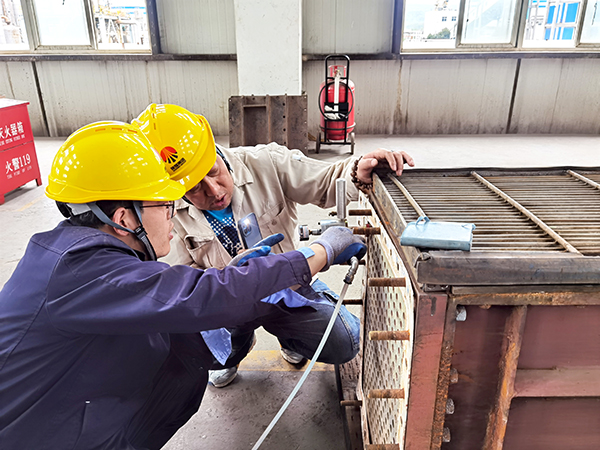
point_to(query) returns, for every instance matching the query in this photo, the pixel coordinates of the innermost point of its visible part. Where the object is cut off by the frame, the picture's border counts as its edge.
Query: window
(71, 25)
(426, 24)
(590, 33)
(501, 24)
(488, 22)
(121, 24)
(551, 23)
(13, 35)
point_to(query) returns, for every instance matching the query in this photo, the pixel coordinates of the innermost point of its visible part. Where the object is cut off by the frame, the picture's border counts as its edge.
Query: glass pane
(552, 23)
(488, 22)
(430, 24)
(61, 22)
(13, 35)
(591, 23)
(121, 24)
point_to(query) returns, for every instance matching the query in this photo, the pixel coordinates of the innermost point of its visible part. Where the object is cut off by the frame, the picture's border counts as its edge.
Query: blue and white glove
(272, 240)
(341, 245)
(254, 252)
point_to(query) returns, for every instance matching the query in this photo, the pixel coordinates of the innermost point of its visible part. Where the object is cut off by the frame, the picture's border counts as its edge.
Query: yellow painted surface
(271, 361)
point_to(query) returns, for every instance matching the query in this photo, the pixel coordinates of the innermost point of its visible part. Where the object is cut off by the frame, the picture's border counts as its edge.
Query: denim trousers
(301, 329)
(179, 385)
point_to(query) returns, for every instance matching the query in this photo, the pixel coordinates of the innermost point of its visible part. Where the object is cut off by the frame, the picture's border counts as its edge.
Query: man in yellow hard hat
(100, 345)
(268, 180)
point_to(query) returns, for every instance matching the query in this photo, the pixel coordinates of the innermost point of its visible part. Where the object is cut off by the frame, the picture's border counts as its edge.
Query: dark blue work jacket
(84, 327)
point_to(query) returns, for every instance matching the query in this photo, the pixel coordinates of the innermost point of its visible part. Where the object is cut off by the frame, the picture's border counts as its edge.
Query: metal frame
(517, 38)
(513, 35)
(329, 81)
(436, 383)
(36, 47)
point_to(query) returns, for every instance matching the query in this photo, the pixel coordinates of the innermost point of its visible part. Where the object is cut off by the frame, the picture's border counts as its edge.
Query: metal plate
(386, 364)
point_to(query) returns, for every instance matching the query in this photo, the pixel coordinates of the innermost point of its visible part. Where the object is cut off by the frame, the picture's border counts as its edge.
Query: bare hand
(395, 160)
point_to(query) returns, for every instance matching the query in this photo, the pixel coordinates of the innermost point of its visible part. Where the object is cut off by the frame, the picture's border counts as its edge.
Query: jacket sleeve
(111, 293)
(307, 180)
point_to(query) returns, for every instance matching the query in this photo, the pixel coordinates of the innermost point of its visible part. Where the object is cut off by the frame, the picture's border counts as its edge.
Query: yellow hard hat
(183, 139)
(109, 161)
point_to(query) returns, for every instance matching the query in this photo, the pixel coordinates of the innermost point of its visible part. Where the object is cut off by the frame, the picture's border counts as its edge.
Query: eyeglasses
(170, 208)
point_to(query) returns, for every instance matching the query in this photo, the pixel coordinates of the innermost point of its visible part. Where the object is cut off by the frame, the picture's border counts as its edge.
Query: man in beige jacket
(268, 180)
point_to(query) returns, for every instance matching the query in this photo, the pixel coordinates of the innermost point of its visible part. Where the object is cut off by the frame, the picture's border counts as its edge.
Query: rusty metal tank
(494, 348)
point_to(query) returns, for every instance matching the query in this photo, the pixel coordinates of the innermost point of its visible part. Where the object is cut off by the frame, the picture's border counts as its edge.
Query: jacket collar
(241, 176)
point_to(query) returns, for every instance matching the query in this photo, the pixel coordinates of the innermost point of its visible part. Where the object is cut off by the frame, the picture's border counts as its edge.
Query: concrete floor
(234, 417)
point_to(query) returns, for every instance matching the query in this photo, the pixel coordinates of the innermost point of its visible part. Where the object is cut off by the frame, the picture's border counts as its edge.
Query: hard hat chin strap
(139, 232)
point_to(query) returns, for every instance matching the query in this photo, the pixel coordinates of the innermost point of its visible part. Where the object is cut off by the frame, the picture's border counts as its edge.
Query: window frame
(36, 46)
(516, 40)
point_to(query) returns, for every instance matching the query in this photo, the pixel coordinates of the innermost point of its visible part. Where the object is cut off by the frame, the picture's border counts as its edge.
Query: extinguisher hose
(347, 90)
(347, 282)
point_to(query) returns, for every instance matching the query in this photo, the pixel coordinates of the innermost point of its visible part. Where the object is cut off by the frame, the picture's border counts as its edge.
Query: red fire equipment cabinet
(336, 104)
(18, 160)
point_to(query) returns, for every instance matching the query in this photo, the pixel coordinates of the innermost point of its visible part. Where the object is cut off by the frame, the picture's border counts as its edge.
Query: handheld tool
(340, 213)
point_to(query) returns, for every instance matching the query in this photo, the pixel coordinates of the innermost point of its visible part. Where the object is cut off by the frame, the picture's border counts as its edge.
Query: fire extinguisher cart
(336, 104)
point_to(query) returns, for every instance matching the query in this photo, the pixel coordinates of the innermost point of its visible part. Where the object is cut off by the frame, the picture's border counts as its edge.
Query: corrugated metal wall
(347, 26)
(392, 97)
(196, 26)
(80, 92)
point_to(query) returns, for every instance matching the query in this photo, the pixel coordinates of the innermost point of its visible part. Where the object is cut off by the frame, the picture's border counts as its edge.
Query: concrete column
(269, 46)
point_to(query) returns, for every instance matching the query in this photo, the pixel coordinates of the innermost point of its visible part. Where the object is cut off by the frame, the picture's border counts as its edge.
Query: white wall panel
(17, 81)
(79, 92)
(347, 26)
(377, 95)
(455, 96)
(392, 97)
(268, 42)
(197, 26)
(557, 96)
(76, 93)
(423, 97)
(203, 87)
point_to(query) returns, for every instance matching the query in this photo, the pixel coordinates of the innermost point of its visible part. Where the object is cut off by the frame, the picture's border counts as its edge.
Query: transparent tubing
(347, 282)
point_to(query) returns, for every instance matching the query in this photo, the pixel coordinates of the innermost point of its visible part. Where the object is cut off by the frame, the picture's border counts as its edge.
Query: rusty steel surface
(396, 335)
(511, 347)
(447, 375)
(255, 119)
(497, 332)
(564, 204)
(531, 225)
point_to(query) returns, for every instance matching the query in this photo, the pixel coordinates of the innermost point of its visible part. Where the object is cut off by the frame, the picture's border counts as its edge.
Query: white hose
(338, 306)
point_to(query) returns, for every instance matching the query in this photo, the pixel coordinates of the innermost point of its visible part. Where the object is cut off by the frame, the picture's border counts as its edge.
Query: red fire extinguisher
(336, 103)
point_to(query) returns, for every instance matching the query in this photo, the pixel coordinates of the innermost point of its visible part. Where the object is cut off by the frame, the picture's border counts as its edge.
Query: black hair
(220, 153)
(88, 218)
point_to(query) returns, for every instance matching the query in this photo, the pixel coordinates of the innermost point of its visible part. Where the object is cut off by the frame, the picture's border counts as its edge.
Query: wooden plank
(568, 382)
(511, 347)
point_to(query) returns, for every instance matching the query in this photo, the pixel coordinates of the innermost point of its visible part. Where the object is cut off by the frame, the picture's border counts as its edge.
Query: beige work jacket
(269, 180)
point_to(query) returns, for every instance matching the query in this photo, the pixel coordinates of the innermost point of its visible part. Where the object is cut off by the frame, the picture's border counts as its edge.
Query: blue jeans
(301, 329)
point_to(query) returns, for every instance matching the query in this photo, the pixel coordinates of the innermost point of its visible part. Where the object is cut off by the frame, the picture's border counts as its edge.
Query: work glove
(261, 248)
(341, 245)
(272, 240)
(254, 252)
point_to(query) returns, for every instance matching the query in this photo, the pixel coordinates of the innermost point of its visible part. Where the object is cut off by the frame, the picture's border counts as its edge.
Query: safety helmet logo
(168, 155)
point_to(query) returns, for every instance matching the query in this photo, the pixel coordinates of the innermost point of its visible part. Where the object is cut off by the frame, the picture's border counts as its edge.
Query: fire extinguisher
(336, 101)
